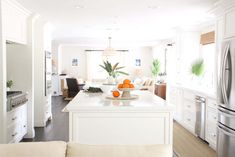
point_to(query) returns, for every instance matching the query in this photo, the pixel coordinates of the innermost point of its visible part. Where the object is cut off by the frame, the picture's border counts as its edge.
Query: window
(208, 55)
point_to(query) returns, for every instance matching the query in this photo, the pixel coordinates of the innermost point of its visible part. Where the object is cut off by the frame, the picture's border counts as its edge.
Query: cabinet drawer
(189, 95)
(189, 105)
(13, 116)
(47, 108)
(189, 119)
(212, 103)
(211, 135)
(13, 132)
(212, 115)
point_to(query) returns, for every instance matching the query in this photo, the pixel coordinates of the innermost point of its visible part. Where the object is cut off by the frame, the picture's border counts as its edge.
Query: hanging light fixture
(109, 51)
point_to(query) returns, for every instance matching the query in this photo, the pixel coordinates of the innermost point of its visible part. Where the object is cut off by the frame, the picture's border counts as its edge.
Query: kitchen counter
(197, 89)
(97, 120)
(147, 102)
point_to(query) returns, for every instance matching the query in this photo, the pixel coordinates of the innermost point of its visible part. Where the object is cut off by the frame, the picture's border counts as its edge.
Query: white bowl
(106, 88)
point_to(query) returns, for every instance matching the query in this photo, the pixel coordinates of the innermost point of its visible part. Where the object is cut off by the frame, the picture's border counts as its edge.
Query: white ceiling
(126, 20)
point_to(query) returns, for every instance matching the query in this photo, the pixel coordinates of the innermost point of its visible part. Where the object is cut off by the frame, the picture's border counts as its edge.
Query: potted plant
(9, 84)
(112, 70)
(155, 69)
(197, 67)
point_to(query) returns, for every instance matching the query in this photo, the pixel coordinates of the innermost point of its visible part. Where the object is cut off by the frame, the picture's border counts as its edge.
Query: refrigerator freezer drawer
(226, 117)
(226, 142)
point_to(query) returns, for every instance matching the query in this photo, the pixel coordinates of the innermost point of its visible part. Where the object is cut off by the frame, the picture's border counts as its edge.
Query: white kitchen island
(93, 119)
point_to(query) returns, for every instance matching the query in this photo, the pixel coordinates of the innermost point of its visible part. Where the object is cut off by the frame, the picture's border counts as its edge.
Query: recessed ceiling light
(79, 6)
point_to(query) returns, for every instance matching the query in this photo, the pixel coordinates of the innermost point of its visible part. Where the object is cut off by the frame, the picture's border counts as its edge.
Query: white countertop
(147, 102)
(197, 89)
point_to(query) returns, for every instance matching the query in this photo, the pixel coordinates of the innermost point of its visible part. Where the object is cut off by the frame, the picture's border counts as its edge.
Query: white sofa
(62, 149)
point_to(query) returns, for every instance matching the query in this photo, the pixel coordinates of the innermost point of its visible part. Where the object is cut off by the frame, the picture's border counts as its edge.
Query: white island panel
(97, 120)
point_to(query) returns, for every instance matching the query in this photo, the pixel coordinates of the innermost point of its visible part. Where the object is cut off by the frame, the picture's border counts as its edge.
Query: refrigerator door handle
(226, 131)
(223, 68)
(226, 113)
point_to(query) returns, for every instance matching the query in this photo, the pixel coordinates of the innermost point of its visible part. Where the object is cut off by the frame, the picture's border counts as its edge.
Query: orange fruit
(126, 81)
(116, 94)
(126, 85)
(132, 86)
(120, 86)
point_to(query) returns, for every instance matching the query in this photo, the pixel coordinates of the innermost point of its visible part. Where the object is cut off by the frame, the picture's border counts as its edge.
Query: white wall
(73, 52)
(127, 59)
(145, 55)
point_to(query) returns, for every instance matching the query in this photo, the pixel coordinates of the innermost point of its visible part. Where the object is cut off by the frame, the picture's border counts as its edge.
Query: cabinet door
(175, 97)
(211, 125)
(230, 24)
(15, 22)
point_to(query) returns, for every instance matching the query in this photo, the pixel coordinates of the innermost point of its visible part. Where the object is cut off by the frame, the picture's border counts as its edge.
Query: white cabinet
(211, 122)
(184, 99)
(17, 124)
(189, 110)
(15, 21)
(48, 112)
(43, 68)
(174, 96)
(229, 30)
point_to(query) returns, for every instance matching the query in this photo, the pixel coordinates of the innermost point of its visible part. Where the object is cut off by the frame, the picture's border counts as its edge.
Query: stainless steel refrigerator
(226, 100)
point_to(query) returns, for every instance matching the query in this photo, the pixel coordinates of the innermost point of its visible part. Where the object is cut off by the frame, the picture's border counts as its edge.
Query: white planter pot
(110, 80)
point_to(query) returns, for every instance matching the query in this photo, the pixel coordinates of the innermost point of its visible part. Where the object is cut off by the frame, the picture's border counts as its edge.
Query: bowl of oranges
(123, 91)
(126, 87)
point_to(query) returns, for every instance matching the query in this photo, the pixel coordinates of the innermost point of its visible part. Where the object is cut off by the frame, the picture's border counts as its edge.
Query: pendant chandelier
(109, 51)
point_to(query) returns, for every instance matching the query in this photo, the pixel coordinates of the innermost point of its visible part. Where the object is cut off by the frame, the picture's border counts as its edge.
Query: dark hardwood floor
(58, 128)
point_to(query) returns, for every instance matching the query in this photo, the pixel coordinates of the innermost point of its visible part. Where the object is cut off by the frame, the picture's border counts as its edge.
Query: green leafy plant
(113, 70)
(9, 83)
(197, 67)
(155, 67)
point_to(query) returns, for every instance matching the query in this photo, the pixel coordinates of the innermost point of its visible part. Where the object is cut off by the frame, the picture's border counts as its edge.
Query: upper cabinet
(15, 21)
(229, 24)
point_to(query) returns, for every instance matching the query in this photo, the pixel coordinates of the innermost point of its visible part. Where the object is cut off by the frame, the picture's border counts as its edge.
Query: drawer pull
(14, 118)
(215, 118)
(189, 106)
(189, 119)
(214, 135)
(13, 135)
(24, 126)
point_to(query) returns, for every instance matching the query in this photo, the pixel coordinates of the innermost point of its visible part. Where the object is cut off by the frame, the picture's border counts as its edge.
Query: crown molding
(18, 6)
(221, 7)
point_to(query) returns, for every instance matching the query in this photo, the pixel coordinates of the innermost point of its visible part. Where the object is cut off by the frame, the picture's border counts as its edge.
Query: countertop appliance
(200, 103)
(226, 101)
(15, 99)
